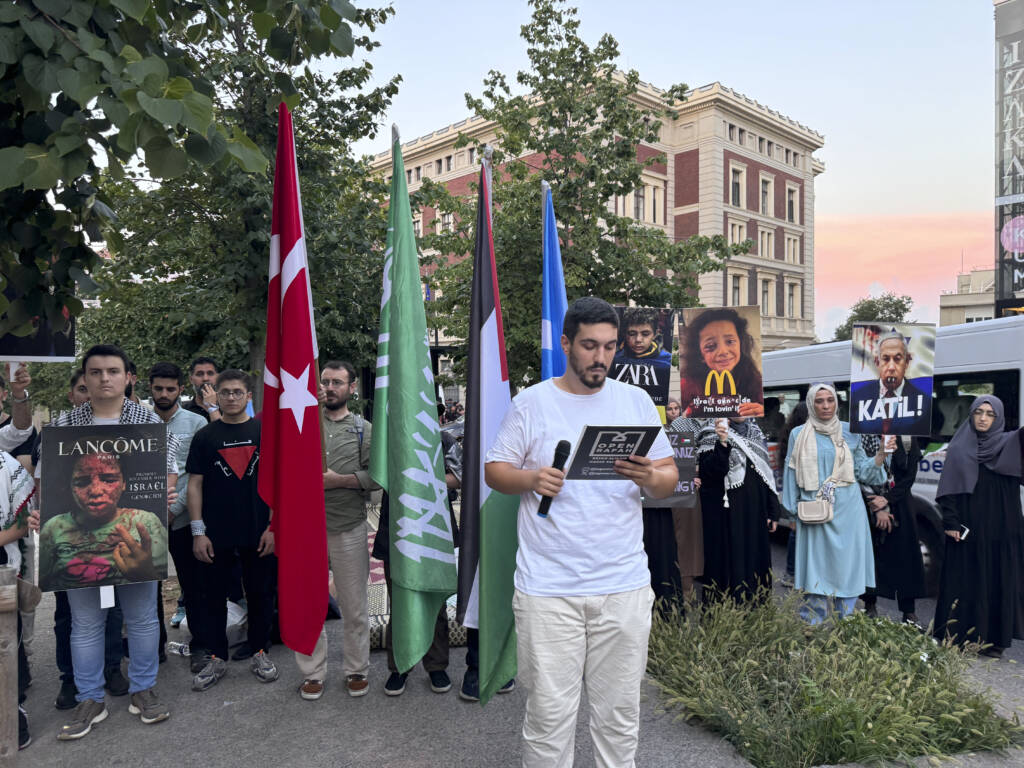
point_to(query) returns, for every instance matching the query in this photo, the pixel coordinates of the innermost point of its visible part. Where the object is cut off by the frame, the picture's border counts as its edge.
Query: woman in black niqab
(980, 596)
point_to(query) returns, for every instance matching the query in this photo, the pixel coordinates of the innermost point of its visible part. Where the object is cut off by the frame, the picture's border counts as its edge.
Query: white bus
(971, 359)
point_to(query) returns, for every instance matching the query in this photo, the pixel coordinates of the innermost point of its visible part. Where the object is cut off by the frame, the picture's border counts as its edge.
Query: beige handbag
(814, 512)
(821, 509)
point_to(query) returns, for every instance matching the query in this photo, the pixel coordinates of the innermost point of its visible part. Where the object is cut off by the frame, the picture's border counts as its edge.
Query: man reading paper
(582, 598)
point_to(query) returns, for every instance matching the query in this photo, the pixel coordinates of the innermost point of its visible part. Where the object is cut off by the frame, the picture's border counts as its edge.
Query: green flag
(405, 458)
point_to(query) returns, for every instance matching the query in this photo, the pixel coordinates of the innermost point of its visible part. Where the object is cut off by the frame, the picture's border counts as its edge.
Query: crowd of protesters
(220, 535)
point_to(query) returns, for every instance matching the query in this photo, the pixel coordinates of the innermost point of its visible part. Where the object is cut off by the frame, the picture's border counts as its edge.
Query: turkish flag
(291, 474)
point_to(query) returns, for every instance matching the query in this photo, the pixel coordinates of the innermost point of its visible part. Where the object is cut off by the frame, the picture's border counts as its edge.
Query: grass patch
(788, 696)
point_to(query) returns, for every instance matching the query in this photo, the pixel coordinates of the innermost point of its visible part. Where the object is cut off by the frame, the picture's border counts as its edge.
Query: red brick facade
(687, 179)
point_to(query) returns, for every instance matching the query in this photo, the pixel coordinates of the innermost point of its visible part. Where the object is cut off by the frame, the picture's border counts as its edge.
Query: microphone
(562, 451)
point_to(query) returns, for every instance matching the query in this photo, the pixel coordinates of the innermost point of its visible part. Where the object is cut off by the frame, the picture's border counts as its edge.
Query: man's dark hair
(203, 361)
(342, 365)
(76, 375)
(233, 374)
(641, 316)
(165, 371)
(132, 368)
(105, 350)
(588, 310)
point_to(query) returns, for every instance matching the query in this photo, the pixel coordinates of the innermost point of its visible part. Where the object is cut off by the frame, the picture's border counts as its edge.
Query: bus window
(953, 394)
(778, 404)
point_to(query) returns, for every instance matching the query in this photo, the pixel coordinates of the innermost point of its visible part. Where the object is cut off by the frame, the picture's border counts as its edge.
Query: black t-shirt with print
(227, 456)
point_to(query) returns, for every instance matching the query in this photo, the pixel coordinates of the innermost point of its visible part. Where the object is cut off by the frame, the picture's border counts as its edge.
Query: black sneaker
(116, 683)
(439, 681)
(66, 698)
(470, 690)
(913, 621)
(395, 686)
(24, 737)
(198, 660)
(871, 610)
(508, 687)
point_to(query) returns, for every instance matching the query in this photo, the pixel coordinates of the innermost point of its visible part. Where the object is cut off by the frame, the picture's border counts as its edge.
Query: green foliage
(123, 78)
(579, 129)
(789, 696)
(886, 308)
(191, 275)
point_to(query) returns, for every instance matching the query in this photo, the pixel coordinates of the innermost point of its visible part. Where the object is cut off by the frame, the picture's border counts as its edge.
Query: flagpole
(487, 162)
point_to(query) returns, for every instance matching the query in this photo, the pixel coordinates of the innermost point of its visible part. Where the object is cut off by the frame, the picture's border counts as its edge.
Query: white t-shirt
(591, 543)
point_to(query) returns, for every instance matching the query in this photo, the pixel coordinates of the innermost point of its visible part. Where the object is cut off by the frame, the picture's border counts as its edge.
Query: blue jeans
(62, 629)
(88, 622)
(816, 608)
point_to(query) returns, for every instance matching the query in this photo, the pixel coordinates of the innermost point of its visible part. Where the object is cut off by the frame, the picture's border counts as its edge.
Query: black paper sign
(599, 447)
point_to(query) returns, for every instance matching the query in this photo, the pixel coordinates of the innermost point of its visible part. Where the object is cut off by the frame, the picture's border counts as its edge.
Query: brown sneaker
(358, 685)
(311, 690)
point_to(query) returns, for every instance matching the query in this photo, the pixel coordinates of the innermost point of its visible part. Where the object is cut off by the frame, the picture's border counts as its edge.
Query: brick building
(730, 166)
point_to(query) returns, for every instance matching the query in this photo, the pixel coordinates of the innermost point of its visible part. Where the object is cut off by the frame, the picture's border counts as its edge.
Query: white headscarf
(804, 458)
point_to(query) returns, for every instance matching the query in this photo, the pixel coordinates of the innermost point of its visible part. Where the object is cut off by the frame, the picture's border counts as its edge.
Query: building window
(732, 132)
(743, 136)
(766, 244)
(771, 149)
(796, 160)
(766, 294)
(760, 144)
(736, 294)
(791, 205)
(737, 186)
(792, 249)
(737, 233)
(767, 197)
(448, 163)
(447, 222)
(417, 227)
(791, 300)
(472, 155)
(638, 204)
(408, 176)
(418, 172)
(437, 167)
(789, 157)
(654, 205)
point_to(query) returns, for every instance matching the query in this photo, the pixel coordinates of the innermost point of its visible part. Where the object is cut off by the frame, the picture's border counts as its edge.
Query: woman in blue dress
(834, 560)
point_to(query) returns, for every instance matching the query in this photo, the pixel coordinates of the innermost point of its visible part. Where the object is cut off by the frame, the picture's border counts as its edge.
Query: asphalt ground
(242, 722)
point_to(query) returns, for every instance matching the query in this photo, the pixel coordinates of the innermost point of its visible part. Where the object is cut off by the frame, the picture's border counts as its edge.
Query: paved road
(241, 722)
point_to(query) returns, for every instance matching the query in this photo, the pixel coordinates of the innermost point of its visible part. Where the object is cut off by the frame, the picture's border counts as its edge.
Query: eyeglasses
(232, 394)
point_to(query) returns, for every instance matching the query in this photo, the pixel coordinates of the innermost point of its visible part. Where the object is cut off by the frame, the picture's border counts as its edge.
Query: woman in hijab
(834, 563)
(979, 495)
(739, 504)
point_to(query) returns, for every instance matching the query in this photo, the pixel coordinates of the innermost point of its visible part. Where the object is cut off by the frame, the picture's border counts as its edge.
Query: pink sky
(858, 256)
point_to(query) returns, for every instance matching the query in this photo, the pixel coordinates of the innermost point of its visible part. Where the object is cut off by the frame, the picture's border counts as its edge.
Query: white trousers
(565, 643)
(350, 564)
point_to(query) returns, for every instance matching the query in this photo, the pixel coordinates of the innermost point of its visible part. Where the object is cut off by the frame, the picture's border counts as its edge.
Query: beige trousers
(350, 563)
(566, 643)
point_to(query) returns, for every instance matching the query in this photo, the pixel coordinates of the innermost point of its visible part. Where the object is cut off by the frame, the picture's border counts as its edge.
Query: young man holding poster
(106, 376)
(582, 589)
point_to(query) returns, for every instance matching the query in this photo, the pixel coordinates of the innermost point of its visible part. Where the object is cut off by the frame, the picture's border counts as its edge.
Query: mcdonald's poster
(644, 354)
(104, 505)
(720, 362)
(891, 378)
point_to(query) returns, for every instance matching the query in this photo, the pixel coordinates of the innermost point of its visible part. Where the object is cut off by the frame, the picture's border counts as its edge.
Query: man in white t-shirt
(582, 588)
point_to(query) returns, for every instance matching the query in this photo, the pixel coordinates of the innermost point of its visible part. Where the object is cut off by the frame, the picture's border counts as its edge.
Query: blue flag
(553, 303)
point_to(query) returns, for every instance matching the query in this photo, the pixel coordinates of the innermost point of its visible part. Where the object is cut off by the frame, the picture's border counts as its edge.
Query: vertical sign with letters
(1009, 192)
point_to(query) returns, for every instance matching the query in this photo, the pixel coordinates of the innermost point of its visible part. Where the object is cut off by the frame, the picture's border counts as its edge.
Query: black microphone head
(562, 451)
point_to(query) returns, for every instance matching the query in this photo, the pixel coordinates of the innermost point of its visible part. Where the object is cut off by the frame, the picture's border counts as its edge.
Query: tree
(190, 277)
(888, 308)
(579, 128)
(81, 78)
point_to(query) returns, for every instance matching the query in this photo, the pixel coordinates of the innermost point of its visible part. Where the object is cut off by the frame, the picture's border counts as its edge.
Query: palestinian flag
(487, 557)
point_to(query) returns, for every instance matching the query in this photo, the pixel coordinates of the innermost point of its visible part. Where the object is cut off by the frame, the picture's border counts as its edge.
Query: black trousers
(259, 579)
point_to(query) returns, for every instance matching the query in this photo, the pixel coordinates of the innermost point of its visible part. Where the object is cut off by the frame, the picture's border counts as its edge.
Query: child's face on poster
(97, 484)
(639, 338)
(720, 345)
